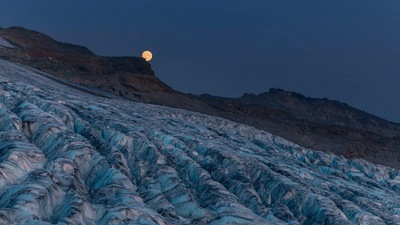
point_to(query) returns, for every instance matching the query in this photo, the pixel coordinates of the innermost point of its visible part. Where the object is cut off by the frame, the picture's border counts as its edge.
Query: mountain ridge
(284, 100)
(319, 124)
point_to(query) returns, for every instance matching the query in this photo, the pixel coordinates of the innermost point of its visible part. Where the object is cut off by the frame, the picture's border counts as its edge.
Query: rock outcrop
(63, 59)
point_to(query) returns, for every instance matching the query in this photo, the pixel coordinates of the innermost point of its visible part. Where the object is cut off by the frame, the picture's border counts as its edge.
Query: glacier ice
(74, 157)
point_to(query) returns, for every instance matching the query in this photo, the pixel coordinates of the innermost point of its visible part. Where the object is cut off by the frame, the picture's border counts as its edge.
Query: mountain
(42, 52)
(130, 77)
(319, 124)
(71, 155)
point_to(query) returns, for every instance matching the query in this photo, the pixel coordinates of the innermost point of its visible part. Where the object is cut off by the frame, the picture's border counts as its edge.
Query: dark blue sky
(345, 50)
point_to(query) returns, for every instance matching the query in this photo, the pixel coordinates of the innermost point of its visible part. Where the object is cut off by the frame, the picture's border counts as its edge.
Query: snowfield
(74, 157)
(4, 43)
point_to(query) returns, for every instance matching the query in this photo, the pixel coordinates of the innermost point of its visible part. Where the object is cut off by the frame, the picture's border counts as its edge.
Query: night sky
(344, 50)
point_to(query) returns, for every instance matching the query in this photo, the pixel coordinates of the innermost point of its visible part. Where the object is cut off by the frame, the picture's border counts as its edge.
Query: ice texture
(72, 157)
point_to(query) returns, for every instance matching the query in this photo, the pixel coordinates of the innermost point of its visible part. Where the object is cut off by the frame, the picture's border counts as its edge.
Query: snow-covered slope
(4, 43)
(73, 157)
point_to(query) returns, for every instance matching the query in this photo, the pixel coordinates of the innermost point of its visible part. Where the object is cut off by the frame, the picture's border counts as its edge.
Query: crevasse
(71, 157)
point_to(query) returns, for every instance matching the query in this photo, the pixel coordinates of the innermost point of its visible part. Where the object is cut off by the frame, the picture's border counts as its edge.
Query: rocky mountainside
(321, 111)
(319, 124)
(130, 77)
(72, 157)
(43, 52)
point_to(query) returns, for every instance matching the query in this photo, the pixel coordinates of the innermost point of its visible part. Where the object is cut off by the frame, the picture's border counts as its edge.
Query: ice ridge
(70, 157)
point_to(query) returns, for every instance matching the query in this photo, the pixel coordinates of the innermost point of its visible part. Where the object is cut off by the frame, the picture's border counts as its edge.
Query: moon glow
(146, 55)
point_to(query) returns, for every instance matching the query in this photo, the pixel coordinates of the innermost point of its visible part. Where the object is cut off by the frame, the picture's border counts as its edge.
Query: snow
(69, 157)
(4, 43)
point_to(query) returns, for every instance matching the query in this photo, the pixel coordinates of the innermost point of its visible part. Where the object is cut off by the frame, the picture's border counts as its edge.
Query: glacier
(72, 155)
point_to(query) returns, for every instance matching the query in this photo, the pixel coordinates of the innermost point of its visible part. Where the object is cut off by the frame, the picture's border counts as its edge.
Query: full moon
(146, 55)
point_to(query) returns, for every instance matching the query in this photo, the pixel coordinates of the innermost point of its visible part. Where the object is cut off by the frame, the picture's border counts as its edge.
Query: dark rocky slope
(319, 124)
(130, 77)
